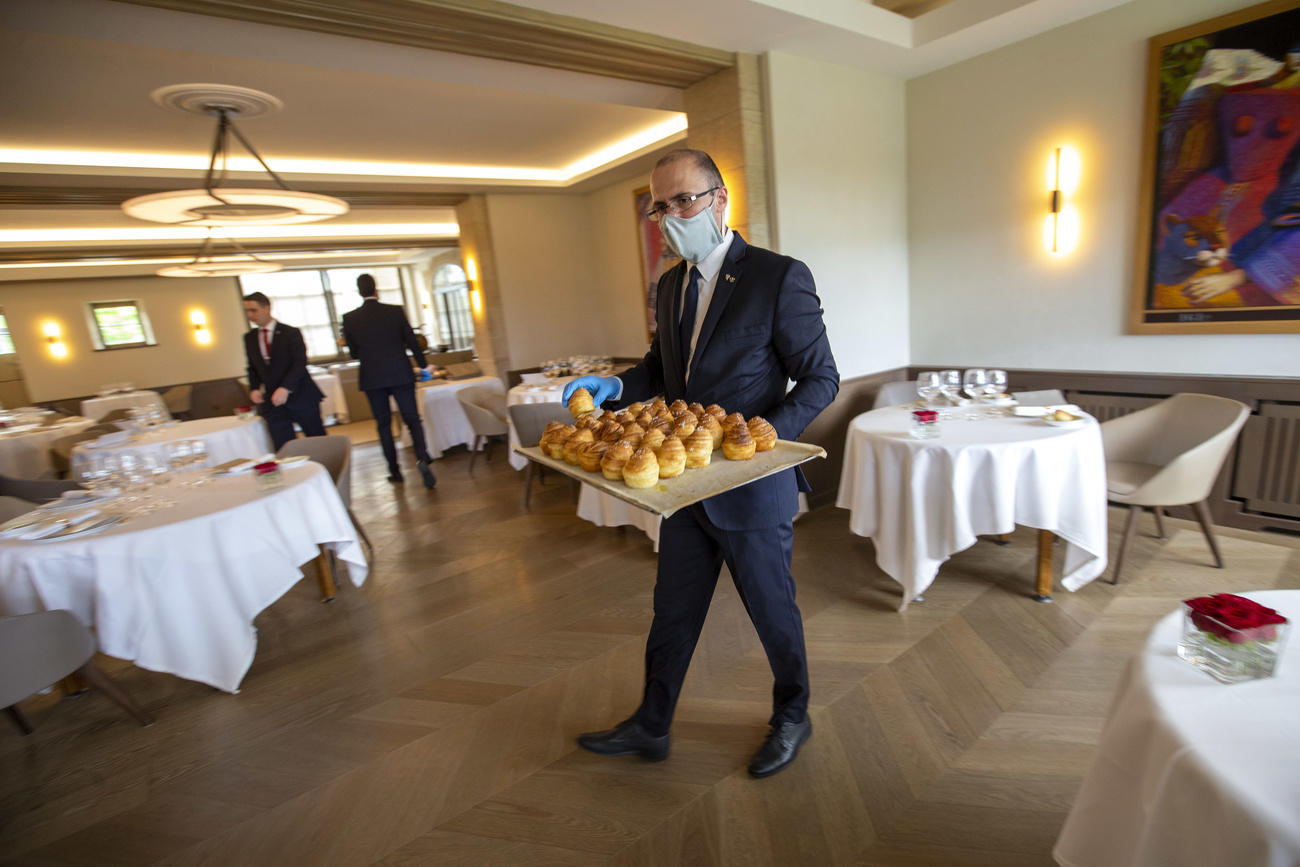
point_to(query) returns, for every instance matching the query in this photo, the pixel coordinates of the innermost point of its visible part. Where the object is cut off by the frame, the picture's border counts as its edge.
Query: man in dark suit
(278, 381)
(734, 324)
(379, 335)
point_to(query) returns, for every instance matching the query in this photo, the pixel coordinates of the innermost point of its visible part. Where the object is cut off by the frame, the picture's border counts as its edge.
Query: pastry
(711, 424)
(555, 445)
(573, 443)
(644, 419)
(641, 470)
(685, 424)
(716, 411)
(552, 426)
(663, 424)
(677, 407)
(731, 421)
(633, 438)
(636, 407)
(699, 448)
(672, 458)
(737, 444)
(763, 433)
(625, 417)
(580, 402)
(610, 431)
(632, 428)
(695, 409)
(587, 422)
(608, 415)
(653, 438)
(590, 455)
(611, 465)
(657, 405)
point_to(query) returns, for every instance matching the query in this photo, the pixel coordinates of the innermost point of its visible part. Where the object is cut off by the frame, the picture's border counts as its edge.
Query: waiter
(734, 325)
(278, 381)
(378, 335)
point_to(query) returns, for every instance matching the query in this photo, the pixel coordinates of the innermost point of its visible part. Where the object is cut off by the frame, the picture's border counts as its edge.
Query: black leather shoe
(779, 749)
(626, 739)
(395, 477)
(426, 473)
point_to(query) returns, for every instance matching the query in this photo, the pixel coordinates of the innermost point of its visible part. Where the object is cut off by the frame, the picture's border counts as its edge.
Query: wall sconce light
(1061, 230)
(199, 320)
(54, 337)
(471, 269)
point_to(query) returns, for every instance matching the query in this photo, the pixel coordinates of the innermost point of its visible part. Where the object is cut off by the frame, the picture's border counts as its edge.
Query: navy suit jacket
(762, 329)
(286, 367)
(379, 335)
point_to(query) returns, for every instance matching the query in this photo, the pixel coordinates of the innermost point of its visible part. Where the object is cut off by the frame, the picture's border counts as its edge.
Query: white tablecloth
(921, 501)
(332, 387)
(177, 590)
(445, 424)
(1192, 771)
(227, 438)
(98, 407)
(25, 454)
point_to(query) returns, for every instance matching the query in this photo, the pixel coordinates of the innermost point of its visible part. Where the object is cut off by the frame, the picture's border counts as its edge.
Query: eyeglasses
(677, 204)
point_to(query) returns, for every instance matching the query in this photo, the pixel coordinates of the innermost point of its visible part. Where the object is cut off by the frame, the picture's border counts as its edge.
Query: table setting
(924, 481)
(1196, 762)
(217, 439)
(122, 396)
(26, 434)
(170, 568)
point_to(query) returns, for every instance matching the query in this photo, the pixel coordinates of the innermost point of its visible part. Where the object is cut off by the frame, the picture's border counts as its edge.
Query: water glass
(973, 382)
(950, 386)
(928, 386)
(995, 389)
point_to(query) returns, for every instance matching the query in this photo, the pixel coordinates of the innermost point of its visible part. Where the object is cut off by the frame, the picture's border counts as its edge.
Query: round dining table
(227, 438)
(923, 500)
(445, 422)
(1190, 770)
(25, 448)
(98, 407)
(177, 589)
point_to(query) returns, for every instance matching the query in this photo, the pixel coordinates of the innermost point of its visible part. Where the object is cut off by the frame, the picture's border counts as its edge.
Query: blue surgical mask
(692, 238)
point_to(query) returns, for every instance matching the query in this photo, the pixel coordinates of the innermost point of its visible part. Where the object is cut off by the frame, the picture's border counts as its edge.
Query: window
(451, 303)
(119, 325)
(315, 301)
(6, 342)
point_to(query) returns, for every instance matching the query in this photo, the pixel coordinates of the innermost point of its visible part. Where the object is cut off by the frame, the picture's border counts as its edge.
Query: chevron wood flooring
(429, 716)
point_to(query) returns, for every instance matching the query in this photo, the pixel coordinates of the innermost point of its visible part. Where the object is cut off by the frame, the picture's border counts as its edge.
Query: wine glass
(973, 382)
(928, 386)
(995, 388)
(950, 386)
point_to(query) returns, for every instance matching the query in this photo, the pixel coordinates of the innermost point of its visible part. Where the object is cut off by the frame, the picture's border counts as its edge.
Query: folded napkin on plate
(1040, 411)
(49, 528)
(109, 439)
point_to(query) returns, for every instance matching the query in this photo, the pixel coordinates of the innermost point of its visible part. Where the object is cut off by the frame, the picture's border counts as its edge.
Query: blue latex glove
(602, 388)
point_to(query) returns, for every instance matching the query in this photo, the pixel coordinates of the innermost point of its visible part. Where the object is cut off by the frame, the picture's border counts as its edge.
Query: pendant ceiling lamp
(207, 264)
(216, 204)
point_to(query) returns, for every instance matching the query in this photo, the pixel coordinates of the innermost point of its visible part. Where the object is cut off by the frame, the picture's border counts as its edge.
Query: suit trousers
(691, 553)
(404, 396)
(302, 410)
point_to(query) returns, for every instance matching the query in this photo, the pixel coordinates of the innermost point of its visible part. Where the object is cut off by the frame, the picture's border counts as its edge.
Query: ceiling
(401, 130)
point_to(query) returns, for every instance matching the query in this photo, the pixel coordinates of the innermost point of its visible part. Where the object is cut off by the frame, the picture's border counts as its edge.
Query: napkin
(235, 465)
(49, 528)
(1040, 411)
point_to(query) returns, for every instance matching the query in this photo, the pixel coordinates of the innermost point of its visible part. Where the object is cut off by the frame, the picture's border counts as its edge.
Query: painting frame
(1175, 284)
(655, 258)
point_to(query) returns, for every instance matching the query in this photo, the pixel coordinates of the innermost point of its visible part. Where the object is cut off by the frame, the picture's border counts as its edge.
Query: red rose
(1233, 618)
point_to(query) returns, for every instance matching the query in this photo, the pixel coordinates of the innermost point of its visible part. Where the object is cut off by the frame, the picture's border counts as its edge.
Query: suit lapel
(728, 277)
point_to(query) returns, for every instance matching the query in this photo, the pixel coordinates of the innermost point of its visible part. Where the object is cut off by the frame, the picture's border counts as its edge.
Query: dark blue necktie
(686, 326)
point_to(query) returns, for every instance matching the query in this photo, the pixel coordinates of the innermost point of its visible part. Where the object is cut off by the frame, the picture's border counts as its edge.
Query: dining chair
(895, 394)
(35, 490)
(486, 411)
(179, 400)
(334, 453)
(61, 448)
(530, 420)
(1043, 397)
(42, 648)
(1169, 454)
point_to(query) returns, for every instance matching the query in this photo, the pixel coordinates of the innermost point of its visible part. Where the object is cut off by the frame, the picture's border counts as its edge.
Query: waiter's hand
(279, 396)
(255, 395)
(602, 388)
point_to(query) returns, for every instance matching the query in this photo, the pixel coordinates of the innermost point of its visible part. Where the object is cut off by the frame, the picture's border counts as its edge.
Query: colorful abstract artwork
(1220, 232)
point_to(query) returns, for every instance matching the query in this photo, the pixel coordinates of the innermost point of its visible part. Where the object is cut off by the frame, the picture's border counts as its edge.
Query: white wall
(567, 271)
(175, 359)
(839, 161)
(979, 135)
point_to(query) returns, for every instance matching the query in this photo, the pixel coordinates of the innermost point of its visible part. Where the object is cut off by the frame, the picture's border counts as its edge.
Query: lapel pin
(729, 278)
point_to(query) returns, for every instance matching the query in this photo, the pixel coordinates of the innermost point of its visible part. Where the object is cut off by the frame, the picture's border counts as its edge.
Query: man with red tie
(278, 381)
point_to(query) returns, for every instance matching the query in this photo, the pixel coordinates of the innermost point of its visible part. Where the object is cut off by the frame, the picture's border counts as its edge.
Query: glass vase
(1228, 654)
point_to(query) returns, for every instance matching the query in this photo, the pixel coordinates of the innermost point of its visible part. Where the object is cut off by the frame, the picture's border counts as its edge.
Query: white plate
(1005, 401)
(291, 460)
(71, 503)
(102, 523)
(1074, 422)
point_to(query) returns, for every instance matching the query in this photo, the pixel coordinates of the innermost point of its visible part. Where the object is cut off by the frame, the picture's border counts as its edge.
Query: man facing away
(278, 382)
(734, 324)
(378, 335)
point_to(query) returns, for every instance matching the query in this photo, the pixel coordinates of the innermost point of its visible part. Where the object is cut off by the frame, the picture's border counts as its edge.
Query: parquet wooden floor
(429, 716)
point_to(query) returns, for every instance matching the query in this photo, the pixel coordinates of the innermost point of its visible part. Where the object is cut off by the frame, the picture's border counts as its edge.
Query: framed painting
(655, 258)
(1219, 231)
